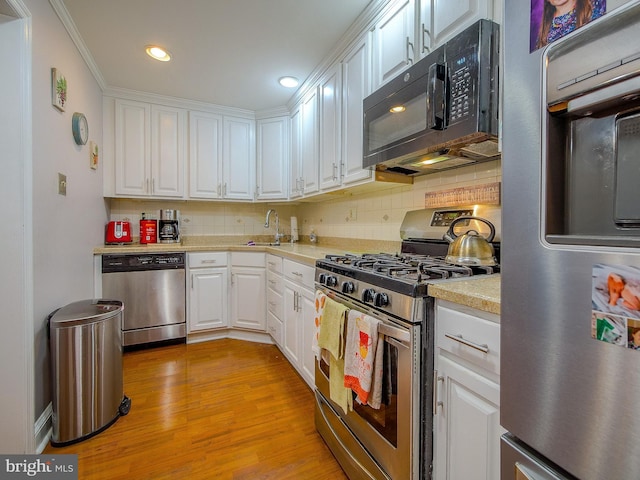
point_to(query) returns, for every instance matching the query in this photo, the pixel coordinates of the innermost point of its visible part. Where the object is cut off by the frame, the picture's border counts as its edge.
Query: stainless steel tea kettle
(470, 248)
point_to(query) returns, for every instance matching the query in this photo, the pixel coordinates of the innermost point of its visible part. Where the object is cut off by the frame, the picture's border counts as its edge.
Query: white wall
(65, 228)
(16, 408)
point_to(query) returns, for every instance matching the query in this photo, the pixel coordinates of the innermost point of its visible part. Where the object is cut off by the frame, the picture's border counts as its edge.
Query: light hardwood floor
(224, 409)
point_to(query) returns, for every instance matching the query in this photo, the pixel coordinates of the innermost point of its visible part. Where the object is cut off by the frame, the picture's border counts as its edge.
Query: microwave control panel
(443, 218)
(462, 69)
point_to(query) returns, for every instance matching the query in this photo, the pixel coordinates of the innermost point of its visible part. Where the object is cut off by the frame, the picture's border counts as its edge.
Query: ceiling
(224, 52)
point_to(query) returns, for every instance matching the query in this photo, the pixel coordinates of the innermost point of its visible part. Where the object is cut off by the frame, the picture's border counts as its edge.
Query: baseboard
(43, 428)
(248, 335)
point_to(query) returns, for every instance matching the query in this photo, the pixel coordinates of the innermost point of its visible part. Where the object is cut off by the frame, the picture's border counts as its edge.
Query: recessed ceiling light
(158, 53)
(289, 82)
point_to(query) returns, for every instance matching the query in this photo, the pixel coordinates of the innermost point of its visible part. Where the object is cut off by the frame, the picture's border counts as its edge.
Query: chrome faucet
(278, 235)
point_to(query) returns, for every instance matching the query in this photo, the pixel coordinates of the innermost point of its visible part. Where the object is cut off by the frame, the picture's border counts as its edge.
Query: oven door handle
(385, 327)
(392, 333)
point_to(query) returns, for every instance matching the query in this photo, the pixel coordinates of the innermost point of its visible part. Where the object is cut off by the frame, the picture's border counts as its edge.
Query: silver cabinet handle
(207, 261)
(297, 274)
(224, 190)
(425, 34)
(335, 172)
(484, 348)
(409, 45)
(219, 189)
(295, 301)
(153, 185)
(436, 403)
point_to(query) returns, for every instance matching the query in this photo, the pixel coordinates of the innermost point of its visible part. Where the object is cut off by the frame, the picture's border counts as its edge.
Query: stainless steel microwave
(440, 113)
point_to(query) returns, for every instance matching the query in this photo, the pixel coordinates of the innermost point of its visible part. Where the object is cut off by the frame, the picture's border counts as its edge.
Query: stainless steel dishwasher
(152, 288)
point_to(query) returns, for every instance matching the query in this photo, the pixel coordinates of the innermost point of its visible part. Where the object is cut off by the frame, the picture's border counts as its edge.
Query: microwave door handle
(437, 97)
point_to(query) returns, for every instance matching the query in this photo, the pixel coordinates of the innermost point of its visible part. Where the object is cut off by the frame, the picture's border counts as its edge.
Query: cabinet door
(132, 148)
(467, 424)
(450, 17)
(205, 155)
(291, 336)
(208, 299)
(330, 125)
(167, 151)
(355, 87)
(248, 298)
(307, 312)
(295, 163)
(272, 158)
(238, 170)
(394, 42)
(309, 142)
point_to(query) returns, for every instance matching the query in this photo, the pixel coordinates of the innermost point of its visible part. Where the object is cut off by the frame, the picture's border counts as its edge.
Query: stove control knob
(322, 278)
(368, 295)
(331, 281)
(348, 287)
(381, 300)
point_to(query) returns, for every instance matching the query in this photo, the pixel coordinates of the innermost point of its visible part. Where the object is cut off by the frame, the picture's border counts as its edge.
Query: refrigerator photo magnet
(615, 300)
(553, 19)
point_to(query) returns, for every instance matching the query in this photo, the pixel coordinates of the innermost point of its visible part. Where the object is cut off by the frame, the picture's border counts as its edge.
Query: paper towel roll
(294, 229)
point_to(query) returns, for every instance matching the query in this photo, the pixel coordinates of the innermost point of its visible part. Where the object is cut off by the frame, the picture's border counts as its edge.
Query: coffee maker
(168, 226)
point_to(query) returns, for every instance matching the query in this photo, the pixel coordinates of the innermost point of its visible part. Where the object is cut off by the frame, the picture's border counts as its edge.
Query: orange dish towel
(361, 344)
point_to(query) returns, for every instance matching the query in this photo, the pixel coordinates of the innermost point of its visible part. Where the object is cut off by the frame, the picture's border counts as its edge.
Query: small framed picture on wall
(93, 155)
(58, 89)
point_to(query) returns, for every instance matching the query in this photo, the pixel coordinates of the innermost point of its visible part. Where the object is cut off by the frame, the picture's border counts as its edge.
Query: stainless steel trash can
(86, 364)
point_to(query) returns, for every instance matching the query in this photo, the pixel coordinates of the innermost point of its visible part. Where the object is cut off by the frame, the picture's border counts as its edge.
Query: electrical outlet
(62, 184)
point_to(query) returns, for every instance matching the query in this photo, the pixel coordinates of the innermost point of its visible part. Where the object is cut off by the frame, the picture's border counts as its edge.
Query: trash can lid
(86, 311)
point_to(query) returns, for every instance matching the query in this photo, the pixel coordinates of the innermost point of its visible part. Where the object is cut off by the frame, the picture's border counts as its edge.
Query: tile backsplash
(371, 216)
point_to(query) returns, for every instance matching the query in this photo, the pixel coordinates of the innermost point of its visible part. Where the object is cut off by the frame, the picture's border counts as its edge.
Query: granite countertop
(304, 253)
(482, 293)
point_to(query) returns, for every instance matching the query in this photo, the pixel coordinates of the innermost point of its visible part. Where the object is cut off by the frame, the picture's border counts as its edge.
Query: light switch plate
(62, 184)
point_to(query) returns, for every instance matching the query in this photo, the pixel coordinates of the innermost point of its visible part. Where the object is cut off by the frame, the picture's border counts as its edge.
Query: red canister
(148, 230)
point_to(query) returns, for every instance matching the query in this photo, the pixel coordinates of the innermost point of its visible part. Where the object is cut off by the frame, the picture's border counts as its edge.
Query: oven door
(390, 434)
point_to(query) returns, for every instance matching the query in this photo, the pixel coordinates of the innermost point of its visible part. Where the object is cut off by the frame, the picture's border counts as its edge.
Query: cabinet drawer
(299, 273)
(467, 334)
(207, 259)
(274, 328)
(275, 282)
(274, 263)
(248, 259)
(274, 303)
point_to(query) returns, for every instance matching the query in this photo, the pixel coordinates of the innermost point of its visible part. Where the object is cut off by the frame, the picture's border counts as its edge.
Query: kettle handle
(450, 236)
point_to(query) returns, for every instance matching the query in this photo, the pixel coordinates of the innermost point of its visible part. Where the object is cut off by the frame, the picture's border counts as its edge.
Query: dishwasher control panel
(146, 261)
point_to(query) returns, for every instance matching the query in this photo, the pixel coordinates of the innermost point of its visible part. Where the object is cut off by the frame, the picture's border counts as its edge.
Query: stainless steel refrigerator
(570, 315)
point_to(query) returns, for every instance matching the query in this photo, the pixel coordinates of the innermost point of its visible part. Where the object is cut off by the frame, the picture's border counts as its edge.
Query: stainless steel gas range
(394, 441)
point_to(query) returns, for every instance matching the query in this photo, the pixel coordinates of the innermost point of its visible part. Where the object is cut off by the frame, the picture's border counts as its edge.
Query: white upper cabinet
(450, 17)
(356, 79)
(238, 170)
(149, 150)
(394, 45)
(330, 128)
(309, 142)
(272, 139)
(221, 156)
(205, 155)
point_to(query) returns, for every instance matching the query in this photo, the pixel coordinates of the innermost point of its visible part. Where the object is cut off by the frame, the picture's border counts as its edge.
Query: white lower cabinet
(467, 417)
(299, 314)
(248, 291)
(208, 279)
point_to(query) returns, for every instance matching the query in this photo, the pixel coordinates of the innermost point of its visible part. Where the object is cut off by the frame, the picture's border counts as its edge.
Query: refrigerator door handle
(484, 348)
